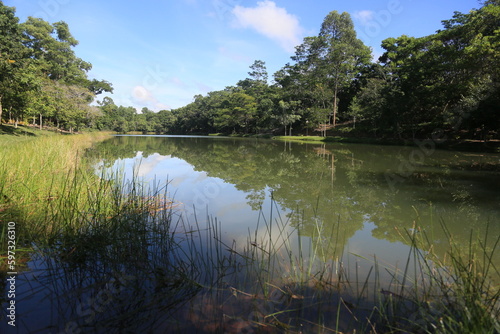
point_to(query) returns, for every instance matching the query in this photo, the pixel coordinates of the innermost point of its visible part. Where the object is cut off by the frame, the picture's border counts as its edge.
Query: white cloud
(271, 21)
(364, 16)
(141, 94)
(144, 97)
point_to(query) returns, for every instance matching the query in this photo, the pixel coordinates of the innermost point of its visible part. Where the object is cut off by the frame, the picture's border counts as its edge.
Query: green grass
(10, 134)
(458, 145)
(301, 138)
(43, 183)
(464, 285)
(341, 139)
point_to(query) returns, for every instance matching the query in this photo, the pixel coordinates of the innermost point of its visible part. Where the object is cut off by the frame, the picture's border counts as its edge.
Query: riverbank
(40, 171)
(467, 145)
(492, 146)
(443, 142)
(11, 133)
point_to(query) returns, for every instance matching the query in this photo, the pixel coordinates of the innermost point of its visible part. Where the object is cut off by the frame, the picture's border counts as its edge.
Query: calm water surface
(370, 193)
(356, 203)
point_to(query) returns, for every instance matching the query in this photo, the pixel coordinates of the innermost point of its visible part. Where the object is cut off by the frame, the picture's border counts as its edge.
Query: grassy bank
(11, 134)
(42, 180)
(91, 233)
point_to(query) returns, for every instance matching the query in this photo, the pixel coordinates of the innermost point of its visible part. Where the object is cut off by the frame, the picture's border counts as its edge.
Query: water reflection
(312, 183)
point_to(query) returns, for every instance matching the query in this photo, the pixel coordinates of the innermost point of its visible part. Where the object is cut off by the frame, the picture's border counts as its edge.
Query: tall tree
(337, 55)
(51, 46)
(259, 71)
(12, 58)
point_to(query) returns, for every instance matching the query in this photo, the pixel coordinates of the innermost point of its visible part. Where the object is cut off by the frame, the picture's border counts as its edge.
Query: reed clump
(44, 185)
(452, 292)
(272, 286)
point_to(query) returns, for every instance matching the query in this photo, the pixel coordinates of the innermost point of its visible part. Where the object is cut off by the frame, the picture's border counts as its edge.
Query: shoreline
(467, 145)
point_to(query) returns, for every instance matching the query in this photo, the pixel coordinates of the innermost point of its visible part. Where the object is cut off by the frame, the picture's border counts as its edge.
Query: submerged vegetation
(84, 237)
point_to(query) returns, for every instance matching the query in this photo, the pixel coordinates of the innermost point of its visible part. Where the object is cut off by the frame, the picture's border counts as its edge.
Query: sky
(159, 54)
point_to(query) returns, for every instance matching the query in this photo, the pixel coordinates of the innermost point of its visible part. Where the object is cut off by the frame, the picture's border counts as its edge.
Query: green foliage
(259, 72)
(41, 77)
(12, 54)
(446, 82)
(50, 46)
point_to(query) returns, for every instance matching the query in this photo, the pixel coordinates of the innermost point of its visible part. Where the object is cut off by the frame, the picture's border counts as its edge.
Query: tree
(12, 60)
(40, 75)
(288, 114)
(51, 47)
(67, 105)
(335, 56)
(296, 86)
(259, 72)
(41, 103)
(64, 91)
(370, 102)
(99, 86)
(234, 110)
(166, 121)
(447, 80)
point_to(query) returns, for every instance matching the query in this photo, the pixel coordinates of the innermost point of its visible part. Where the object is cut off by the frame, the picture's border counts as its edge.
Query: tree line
(447, 82)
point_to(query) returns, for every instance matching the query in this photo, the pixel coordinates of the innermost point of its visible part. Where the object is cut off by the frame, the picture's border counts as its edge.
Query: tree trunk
(335, 105)
(41, 121)
(1, 110)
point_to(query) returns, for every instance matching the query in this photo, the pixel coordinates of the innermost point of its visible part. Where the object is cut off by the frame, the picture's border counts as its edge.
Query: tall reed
(44, 185)
(458, 292)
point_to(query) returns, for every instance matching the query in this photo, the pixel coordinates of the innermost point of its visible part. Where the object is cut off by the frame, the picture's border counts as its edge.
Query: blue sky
(160, 53)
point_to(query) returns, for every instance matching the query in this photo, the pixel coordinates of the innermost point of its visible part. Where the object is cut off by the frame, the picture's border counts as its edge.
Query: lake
(372, 193)
(346, 211)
